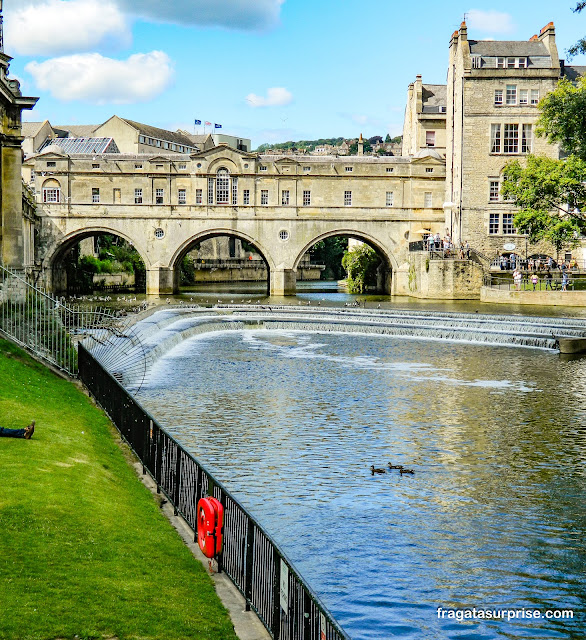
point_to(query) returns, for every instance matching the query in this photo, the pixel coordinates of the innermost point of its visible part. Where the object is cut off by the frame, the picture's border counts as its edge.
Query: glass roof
(84, 145)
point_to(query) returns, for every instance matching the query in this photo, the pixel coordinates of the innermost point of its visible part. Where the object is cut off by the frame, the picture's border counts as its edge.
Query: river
(494, 516)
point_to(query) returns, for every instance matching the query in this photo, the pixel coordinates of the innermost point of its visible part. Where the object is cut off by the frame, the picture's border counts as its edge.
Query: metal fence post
(248, 563)
(276, 595)
(158, 461)
(177, 482)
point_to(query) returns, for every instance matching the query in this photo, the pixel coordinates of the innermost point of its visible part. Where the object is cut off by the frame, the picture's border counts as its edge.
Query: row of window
(163, 144)
(511, 138)
(513, 96)
(502, 63)
(222, 192)
(347, 169)
(494, 224)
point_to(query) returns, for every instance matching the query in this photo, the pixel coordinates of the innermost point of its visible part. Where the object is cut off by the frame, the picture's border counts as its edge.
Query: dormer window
(476, 62)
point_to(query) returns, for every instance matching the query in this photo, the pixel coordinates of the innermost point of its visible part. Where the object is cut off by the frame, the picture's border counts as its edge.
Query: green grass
(84, 549)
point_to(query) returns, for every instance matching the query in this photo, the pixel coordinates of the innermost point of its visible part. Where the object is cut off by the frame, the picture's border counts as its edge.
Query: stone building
(16, 214)
(424, 126)
(493, 91)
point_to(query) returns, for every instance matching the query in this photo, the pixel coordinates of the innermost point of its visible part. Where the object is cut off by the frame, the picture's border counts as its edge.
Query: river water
(494, 516)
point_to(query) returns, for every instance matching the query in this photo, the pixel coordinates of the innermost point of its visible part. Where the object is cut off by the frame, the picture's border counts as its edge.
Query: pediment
(160, 159)
(429, 160)
(223, 151)
(286, 161)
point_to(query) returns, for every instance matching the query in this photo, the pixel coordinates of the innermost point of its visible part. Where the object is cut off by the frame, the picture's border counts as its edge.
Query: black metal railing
(543, 283)
(250, 558)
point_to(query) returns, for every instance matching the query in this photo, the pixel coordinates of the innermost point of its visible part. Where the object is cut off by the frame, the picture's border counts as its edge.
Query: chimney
(547, 36)
(534, 38)
(360, 146)
(463, 31)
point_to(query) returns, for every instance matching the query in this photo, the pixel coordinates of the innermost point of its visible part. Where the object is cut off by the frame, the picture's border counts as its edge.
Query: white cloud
(93, 78)
(54, 27)
(246, 15)
(276, 97)
(490, 21)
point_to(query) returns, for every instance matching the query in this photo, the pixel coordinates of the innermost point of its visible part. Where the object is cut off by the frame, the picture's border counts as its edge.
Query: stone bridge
(164, 207)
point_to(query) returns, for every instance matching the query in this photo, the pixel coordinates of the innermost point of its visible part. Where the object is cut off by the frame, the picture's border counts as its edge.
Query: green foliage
(388, 138)
(85, 550)
(550, 194)
(361, 265)
(562, 117)
(580, 46)
(187, 271)
(330, 252)
(308, 145)
(354, 148)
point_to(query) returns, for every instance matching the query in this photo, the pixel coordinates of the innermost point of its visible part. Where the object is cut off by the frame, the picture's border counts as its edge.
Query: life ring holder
(210, 526)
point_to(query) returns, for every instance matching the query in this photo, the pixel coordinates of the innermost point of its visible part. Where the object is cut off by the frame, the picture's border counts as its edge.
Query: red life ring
(210, 524)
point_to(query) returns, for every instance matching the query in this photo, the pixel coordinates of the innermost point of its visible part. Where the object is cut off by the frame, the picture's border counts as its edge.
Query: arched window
(222, 186)
(51, 191)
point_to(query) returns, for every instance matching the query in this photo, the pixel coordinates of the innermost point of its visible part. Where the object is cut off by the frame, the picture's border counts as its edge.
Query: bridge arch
(389, 262)
(55, 274)
(216, 232)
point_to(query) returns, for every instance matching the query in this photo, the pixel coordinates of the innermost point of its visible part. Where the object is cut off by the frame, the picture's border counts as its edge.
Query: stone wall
(444, 279)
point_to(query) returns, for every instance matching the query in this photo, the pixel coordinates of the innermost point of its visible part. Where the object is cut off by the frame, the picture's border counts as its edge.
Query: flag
(218, 126)
(208, 123)
(197, 122)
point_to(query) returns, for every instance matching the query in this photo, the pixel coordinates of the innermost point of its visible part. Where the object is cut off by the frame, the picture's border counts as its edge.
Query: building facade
(16, 228)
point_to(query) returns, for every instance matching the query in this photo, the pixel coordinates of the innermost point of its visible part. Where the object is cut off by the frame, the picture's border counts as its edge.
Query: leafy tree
(563, 117)
(580, 46)
(550, 194)
(361, 264)
(353, 150)
(388, 138)
(375, 139)
(330, 253)
(397, 139)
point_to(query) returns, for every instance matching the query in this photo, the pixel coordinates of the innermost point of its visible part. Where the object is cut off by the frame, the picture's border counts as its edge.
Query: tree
(550, 194)
(388, 138)
(580, 46)
(563, 118)
(361, 264)
(330, 253)
(375, 139)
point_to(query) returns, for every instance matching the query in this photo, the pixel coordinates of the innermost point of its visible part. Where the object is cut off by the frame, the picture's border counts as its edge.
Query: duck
(402, 471)
(395, 466)
(374, 470)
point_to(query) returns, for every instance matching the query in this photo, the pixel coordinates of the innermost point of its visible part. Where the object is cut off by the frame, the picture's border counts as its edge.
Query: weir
(162, 330)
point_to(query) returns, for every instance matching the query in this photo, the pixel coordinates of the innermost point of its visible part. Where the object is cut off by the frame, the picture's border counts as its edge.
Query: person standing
(517, 279)
(564, 280)
(548, 280)
(534, 280)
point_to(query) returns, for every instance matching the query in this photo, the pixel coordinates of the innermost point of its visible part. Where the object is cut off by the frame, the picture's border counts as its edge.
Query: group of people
(445, 244)
(512, 261)
(518, 277)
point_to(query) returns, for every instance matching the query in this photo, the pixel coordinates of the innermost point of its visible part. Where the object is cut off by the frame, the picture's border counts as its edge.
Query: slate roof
(434, 95)
(75, 130)
(30, 129)
(574, 72)
(508, 48)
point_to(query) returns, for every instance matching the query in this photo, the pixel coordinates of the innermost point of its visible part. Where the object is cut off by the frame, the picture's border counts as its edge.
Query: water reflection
(494, 516)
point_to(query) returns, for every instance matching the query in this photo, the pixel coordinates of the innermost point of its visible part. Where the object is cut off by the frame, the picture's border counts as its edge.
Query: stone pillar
(283, 282)
(12, 223)
(159, 281)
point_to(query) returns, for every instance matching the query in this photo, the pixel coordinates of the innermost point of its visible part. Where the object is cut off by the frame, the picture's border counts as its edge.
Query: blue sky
(270, 70)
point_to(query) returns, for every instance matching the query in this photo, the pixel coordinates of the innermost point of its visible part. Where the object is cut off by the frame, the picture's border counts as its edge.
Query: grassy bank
(84, 549)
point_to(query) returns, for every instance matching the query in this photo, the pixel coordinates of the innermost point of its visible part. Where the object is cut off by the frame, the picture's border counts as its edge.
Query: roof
(161, 134)
(434, 95)
(82, 145)
(508, 48)
(574, 72)
(75, 130)
(30, 129)
(308, 159)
